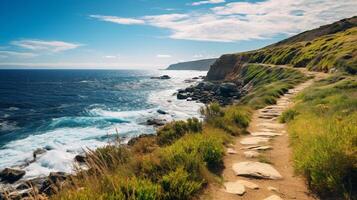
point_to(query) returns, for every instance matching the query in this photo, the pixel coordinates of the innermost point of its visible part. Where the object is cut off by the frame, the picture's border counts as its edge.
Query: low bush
(288, 115)
(175, 130)
(178, 185)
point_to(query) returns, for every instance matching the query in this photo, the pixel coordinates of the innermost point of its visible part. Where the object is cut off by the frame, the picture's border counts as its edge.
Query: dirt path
(270, 169)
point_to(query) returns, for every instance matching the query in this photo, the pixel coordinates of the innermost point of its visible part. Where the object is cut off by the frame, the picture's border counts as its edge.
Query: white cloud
(5, 54)
(238, 21)
(111, 56)
(118, 20)
(41, 45)
(163, 56)
(207, 2)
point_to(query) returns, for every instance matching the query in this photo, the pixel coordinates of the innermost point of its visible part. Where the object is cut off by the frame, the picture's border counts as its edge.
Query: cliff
(328, 48)
(201, 65)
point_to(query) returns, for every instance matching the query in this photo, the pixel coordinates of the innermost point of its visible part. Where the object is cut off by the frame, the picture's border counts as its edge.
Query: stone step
(254, 140)
(256, 170)
(258, 147)
(234, 188)
(265, 133)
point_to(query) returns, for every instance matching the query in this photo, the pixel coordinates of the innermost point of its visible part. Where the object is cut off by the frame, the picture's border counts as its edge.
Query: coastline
(20, 187)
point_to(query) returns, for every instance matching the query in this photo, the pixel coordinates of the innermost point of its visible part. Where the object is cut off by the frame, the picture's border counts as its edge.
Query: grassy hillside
(323, 129)
(183, 157)
(328, 48)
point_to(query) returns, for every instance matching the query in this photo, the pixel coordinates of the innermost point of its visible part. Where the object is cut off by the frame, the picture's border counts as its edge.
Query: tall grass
(324, 136)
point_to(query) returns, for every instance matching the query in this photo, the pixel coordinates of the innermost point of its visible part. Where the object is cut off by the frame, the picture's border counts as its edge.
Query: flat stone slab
(265, 133)
(273, 197)
(234, 188)
(231, 151)
(248, 184)
(251, 154)
(258, 147)
(256, 169)
(271, 125)
(254, 140)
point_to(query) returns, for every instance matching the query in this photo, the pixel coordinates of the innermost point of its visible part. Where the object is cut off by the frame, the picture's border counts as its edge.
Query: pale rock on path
(268, 142)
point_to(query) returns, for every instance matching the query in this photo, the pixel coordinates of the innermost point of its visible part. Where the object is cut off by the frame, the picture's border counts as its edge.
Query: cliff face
(202, 65)
(329, 48)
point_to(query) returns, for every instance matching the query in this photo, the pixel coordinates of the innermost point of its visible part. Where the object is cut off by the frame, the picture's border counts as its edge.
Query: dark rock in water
(163, 77)
(162, 112)
(48, 148)
(53, 182)
(155, 122)
(182, 96)
(9, 175)
(80, 158)
(136, 139)
(195, 78)
(38, 152)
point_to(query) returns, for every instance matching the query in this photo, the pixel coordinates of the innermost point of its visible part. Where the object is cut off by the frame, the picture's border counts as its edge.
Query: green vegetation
(324, 135)
(335, 51)
(288, 115)
(183, 157)
(268, 83)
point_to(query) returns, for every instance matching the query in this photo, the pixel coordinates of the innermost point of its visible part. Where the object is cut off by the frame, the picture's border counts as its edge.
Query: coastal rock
(163, 77)
(53, 183)
(256, 169)
(234, 188)
(182, 96)
(11, 175)
(155, 122)
(161, 112)
(38, 152)
(80, 158)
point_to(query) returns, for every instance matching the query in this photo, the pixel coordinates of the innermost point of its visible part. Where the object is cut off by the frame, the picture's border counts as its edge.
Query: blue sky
(149, 34)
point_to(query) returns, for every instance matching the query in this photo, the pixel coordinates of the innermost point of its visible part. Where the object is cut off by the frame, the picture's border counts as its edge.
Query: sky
(150, 34)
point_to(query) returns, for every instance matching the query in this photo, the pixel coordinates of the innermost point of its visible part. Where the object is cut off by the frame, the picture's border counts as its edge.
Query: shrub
(288, 115)
(175, 130)
(178, 185)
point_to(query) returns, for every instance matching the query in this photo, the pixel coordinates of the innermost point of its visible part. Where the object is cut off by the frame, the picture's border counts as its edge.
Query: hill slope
(318, 50)
(201, 65)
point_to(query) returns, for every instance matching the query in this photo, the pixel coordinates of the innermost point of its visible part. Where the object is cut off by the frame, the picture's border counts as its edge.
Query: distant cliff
(331, 47)
(201, 65)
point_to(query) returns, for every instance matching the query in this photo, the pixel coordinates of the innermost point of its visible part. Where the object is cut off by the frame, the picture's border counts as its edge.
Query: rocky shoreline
(224, 93)
(12, 186)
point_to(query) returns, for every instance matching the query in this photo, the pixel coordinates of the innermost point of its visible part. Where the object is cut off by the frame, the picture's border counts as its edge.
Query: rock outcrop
(9, 175)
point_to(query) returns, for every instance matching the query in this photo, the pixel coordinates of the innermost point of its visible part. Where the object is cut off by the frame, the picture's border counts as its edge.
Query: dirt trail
(264, 167)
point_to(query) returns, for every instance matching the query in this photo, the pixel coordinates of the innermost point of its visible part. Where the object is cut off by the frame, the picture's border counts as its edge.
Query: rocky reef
(223, 93)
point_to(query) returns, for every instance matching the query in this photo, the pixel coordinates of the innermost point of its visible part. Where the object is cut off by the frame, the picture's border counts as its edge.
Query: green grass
(184, 156)
(337, 51)
(324, 136)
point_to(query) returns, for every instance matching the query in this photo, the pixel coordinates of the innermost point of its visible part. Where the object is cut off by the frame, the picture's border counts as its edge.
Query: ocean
(66, 111)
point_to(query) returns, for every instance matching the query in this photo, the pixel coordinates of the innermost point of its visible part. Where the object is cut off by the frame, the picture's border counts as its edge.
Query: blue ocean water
(65, 111)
